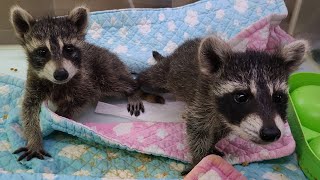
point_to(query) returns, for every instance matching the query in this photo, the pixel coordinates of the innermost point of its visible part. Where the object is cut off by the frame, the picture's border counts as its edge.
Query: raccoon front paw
(134, 107)
(216, 152)
(186, 170)
(159, 99)
(31, 152)
(64, 113)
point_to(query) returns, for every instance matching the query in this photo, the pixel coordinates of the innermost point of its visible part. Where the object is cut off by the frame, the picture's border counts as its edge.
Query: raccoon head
(250, 88)
(52, 44)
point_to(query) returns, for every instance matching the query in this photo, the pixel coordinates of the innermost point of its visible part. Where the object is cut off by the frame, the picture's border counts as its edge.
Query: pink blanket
(169, 140)
(214, 167)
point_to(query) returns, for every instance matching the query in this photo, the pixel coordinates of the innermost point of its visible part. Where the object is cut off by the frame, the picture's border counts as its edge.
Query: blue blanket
(134, 33)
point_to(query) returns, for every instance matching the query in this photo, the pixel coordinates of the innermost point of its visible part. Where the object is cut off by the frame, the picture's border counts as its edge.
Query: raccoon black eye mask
(243, 92)
(65, 70)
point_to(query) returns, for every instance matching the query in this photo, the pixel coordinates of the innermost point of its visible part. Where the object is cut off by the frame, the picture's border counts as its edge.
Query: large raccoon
(243, 92)
(65, 70)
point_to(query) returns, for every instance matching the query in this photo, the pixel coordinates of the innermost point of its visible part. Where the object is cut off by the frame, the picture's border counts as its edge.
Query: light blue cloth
(134, 33)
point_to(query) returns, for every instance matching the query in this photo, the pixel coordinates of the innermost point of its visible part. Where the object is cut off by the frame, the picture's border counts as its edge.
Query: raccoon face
(250, 88)
(52, 44)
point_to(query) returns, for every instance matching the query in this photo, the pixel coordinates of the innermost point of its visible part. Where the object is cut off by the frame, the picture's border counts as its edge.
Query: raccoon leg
(129, 87)
(152, 78)
(135, 104)
(65, 111)
(155, 78)
(69, 108)
(31, 125)
(201, 139)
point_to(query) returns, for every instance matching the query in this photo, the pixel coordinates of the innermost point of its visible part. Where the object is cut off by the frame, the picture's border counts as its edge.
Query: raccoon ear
(212, 53)
(79, 16)
(293, 54)
(21, 21)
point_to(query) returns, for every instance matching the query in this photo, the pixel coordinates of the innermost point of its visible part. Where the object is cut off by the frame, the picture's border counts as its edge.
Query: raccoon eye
(241, 97)
(68, 49)
(279, 98)
(42, 52)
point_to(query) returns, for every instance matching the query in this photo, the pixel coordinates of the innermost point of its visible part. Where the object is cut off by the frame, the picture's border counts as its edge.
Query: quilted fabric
(134, 33)
(214, 167)
(72, 156)
(169, 140)
(80, 157)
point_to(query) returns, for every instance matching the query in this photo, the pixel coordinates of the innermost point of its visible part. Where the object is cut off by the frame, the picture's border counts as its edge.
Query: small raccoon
(65, 70)
(243, 92)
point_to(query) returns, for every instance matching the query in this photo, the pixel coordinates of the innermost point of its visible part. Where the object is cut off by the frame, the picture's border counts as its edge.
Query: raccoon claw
(142, 108)
(29, 154)
(135, 108)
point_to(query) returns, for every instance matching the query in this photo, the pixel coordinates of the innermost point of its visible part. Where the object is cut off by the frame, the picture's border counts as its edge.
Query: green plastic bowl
(315, 145)
(306, 100)
(307, 136)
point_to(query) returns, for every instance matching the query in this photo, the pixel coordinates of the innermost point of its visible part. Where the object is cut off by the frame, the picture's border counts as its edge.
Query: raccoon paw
(186, 171)
(159, 99)
(135, 107)
(30, 153)
(216, 152)
(64, 113)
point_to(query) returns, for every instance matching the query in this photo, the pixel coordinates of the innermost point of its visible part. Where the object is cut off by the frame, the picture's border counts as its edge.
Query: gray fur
(205, 72)
(93, 72)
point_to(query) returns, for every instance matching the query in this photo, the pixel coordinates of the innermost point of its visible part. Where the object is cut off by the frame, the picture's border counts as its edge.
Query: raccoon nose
(270, 134)
(60, 74)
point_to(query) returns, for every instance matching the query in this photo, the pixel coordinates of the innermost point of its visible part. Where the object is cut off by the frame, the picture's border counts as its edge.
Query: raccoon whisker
(251, 133)
(47, 73)
(251, 124)
(249, 130)
(44, 74)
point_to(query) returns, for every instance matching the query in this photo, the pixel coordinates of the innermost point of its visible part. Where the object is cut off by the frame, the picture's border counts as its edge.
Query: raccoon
(65, 70)
(244, 92)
